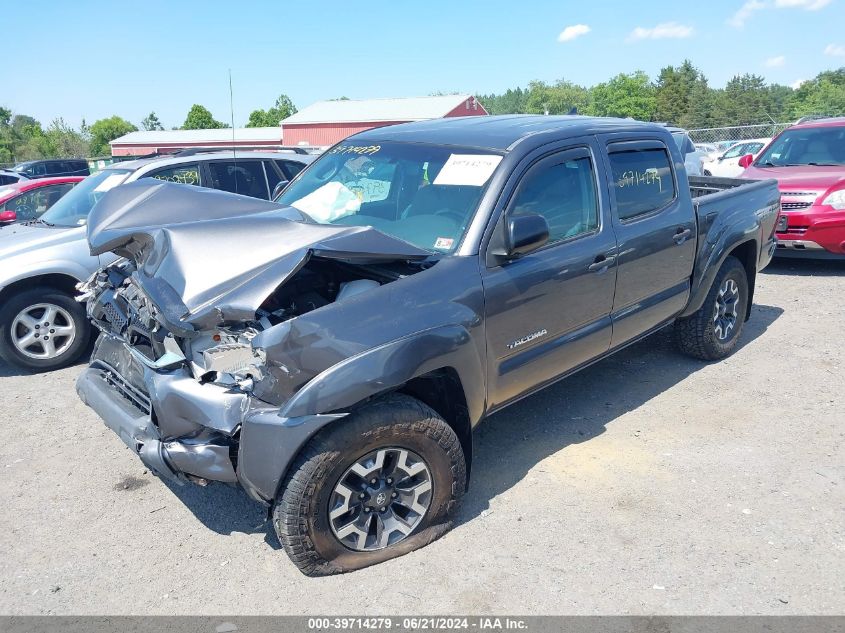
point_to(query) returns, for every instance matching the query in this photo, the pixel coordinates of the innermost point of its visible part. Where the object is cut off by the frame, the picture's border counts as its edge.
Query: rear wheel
(381, 483)
(712, 331)
(43, 329)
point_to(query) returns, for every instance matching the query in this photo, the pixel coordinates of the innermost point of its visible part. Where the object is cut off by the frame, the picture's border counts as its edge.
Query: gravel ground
(648, 483)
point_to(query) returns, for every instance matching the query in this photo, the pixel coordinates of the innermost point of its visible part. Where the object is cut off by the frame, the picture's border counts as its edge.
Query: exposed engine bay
(224, 355)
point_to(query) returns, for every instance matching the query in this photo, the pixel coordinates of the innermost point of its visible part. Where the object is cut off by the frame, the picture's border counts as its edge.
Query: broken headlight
(238, 359)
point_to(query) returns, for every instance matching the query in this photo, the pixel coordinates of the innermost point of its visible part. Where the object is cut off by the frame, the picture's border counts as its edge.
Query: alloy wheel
(381, 499)
(725, 313)
(43, 331)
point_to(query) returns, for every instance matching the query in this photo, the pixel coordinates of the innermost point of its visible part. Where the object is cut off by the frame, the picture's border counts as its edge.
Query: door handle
(601, 264)
(681, 236)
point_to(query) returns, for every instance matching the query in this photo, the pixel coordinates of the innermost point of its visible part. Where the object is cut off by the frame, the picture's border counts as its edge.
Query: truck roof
(501, 132)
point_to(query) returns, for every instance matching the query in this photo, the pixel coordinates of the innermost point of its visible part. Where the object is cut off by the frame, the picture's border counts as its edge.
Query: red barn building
(168, 141)
(327, 122)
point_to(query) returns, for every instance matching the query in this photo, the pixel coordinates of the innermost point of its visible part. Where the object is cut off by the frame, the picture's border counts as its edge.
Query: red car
(28, 199)
(808, 161)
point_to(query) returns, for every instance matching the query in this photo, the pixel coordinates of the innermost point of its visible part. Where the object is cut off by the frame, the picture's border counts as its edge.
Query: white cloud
(739, 18)
(795, 85)
(750, 7)
(809, 5)
(571, 32)
(775, 62)
(667, 30)
(835, 50)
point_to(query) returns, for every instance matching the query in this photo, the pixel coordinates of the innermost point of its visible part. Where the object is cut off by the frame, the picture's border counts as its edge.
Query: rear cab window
(643, 181)
(244, 177)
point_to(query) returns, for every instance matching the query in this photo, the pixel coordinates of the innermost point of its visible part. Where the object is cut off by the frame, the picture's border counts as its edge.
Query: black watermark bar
(412, 623)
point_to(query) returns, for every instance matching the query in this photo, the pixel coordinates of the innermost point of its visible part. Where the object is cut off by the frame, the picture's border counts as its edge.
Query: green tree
(27, 138)
(62, 141)
(624, 96)
(512, 101)
(7, 144)
(678, 92)
(745, 100)
(199, 118)
(823, 95)
(559, 98)
(106, 130)
(151, 122)
(270, 118)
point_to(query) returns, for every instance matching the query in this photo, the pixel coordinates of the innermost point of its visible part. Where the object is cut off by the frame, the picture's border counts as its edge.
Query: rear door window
(290, 168)
(245, 177)
(188, 174)
(642, 181)
(273, 176)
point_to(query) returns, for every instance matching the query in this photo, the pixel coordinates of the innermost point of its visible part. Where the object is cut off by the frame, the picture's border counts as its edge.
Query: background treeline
(680, 95)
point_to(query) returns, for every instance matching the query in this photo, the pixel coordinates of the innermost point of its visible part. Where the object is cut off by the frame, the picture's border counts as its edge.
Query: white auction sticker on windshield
(467, 169)
(110, 182)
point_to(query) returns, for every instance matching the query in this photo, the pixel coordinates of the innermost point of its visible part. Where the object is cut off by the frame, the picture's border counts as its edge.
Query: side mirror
(525, 233)
(8, 216)
(278, 189)
(746, 160)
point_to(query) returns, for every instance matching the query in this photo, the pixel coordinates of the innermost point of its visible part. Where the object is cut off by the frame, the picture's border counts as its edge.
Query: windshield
(806, 146)
(72, 209)
(423, 194)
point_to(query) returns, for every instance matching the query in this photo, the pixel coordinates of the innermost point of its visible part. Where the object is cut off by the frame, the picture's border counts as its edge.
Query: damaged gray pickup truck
(332, 354)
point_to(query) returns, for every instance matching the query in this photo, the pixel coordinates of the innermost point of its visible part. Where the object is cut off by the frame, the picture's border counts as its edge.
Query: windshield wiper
(768, 163)
(824, 164)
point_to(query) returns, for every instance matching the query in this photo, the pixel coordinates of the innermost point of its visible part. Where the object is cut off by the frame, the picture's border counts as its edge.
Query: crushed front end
(177, 402)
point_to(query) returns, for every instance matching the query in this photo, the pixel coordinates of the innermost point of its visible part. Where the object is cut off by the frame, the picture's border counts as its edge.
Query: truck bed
(704, 185)
(722, 208)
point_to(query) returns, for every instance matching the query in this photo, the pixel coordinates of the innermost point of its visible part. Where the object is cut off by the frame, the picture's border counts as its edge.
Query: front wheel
(712, 331)
(379, 484)
(43, 329)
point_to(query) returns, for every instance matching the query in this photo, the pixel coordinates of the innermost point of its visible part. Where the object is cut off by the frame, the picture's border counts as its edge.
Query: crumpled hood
(207, 257)
(20, 238)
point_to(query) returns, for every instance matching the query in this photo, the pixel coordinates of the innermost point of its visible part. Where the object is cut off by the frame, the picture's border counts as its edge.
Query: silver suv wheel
(43, 331)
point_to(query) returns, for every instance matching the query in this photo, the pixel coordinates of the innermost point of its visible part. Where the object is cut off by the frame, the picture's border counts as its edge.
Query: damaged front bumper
(184, 430)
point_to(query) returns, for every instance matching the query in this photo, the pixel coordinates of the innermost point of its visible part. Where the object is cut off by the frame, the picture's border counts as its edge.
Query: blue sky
(94, 59)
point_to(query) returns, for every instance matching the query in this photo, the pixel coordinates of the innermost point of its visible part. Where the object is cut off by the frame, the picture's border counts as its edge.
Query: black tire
(44, 295)
(301, 511)
(697, 335)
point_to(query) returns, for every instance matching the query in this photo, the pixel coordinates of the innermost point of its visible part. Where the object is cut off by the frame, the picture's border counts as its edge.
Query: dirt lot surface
(648, 483)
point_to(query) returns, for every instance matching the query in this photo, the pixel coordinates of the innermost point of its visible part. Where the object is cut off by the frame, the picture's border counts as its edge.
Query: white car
(693, 158)
(726, 164)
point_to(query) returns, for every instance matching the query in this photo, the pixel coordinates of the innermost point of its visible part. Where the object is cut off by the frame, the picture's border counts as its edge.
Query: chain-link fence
(736, 133)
